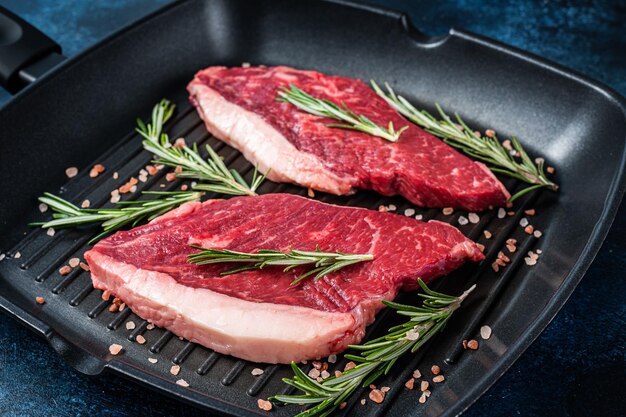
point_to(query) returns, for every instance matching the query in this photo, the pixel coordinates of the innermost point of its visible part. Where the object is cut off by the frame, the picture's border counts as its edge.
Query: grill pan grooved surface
(76, 319)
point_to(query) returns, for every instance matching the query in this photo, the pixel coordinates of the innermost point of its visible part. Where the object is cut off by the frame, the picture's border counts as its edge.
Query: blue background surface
(575, 368)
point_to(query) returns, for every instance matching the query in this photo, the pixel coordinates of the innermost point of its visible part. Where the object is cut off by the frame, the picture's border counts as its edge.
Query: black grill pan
(83, 113)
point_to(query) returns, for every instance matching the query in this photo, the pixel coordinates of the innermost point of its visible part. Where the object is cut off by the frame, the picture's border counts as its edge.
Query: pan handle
(25, 52)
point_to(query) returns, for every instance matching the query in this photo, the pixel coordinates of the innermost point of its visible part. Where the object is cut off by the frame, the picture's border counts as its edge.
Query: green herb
(322, 263)
(376, 357)
(326, 108)
(131, 213)
(212, 171)
(486, 148)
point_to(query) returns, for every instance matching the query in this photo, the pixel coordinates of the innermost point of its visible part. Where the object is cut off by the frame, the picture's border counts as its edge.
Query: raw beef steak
(238, 106)
(257, 315)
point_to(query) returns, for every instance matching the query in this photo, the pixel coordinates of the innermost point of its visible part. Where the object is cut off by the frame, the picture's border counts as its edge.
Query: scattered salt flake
(439, 378)
(349, 366)
(74, 262)
(537, 234)
(115, 199)
(436, 370)
(424, 386)
(130, 325)
(84, 266)
(485, 332)
(463, 220)
(472, 344)
(180, 143)
(332, 358)
(530, 261)
(314, 373)
(363, 401)
(385, 389)
(539, 251)
(530, 212)
(43, 207)
(2, 256)
(343, 405)
(184, 187)
(133, 189)
(422, 399)
(409, 212)
(257, 371)
(473, 218)
(193, 183)
(427, 393)
(170, 176)
(325, 374)
(311, 193)
(501, 213)
(185, 384)
(245, 65)
(71, 172)
(116, 175)
(447, 211)
(175, 370)
(40, 300)
(153, 360)
(419, 217)
(523, 222)
(64, 270)
(412, 335)
(377, 396)
(150, 326)
(264, 405)
(115, 349)
(50, 231)
(391, 207)
(17, 255)
(140, 339)
(507, 144)
(143, 177)
(410, 384)
(550, 170)
(417, 373)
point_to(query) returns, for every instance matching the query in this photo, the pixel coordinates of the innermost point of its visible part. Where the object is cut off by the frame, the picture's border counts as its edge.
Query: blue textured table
(575, 368)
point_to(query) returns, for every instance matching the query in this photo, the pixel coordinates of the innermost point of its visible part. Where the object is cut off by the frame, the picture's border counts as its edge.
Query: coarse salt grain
(130, 325)
(17, 255)
(175, 370)
(435, 370)
(343, 405)
(184, 187)
(116, 175)
(363, 401)
(424, 386)
(325, 374)
(133, 189)
(530, 212)
(501, 213)
(391, 207)
(170, 176)
(523, 222)
(490, 133)
(385, 389)
(332, 358)
(419, 217)
(84, 266)
(153, 360)
(417, 373)
(537, 234)
(245, 65)
(115, 349)
(530, 261)
(422, 399)
(377, 396)
(150, 326)
(439, 378)
(43, 207)
(71, 172)
(257, 372)
(409, 212)
(115, 199)
(50, 231)
(314, 373)
(40, 300)
(550, 170)
(310, 193)
(487, 234)
(143, 177)
(539, 251)
(2, 256)
(410, 384)
(140, 339)
(349, 366)
(463, 220)
(447, 211)
(74, 262)
(264, 405)
(472, 344)
(180, 143)
(485, 332)
(412, 335)
(473, 218)
(182, 383)
(64, 270)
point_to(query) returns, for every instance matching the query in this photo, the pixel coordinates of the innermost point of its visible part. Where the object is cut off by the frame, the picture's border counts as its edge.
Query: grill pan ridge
(78, 324)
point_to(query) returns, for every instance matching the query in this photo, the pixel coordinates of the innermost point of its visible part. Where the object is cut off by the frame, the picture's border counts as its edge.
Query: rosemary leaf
(326, 108)
(131, 213)
(376, 357)
(485, 148)
(212, 172)
(322, 263)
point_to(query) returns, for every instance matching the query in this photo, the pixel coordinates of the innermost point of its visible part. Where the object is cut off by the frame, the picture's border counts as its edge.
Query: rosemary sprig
(486, 148)
(322, 263)
(376, 357)
(131, 213)
(326, 108)
(214, 174)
